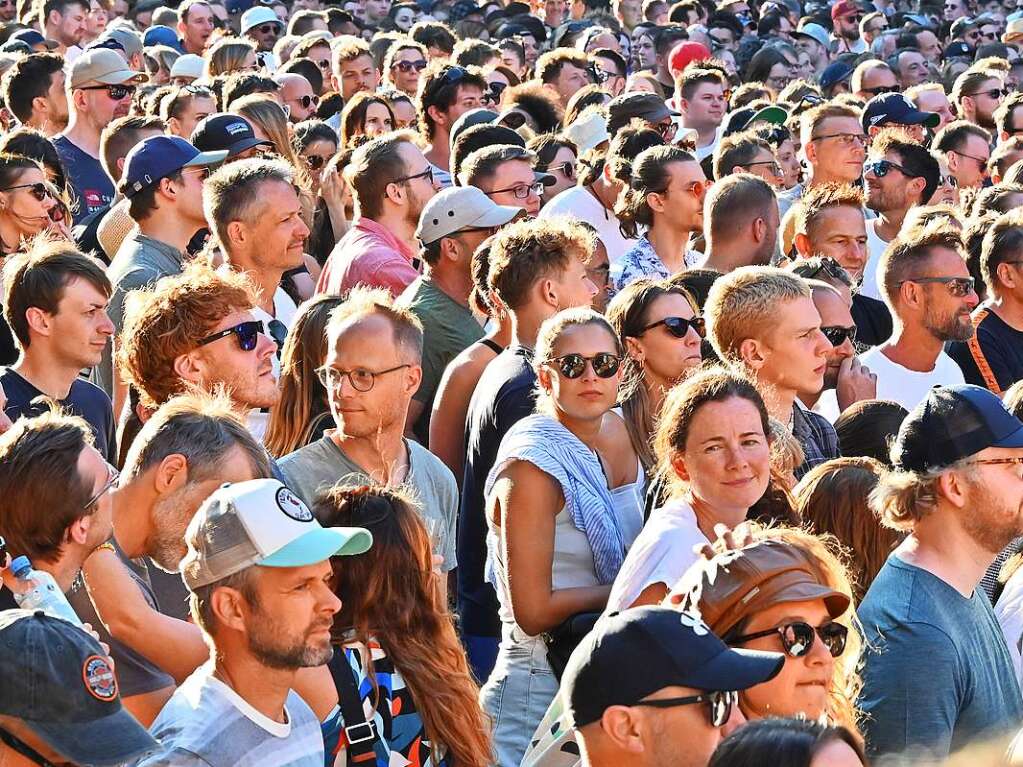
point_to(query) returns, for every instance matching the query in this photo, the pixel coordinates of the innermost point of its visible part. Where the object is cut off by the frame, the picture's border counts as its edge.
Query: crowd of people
(457, 383)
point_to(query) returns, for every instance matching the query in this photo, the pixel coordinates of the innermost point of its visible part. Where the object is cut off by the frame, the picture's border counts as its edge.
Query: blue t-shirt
(937, 672)
(92, 187)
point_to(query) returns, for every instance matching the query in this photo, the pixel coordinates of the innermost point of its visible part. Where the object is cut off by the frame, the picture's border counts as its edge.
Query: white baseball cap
(257, 15)
(588, 131)
(260, 522)
(461, 207)
(188, 65)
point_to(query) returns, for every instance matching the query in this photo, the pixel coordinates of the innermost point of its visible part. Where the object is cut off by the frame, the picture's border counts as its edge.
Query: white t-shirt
(579, 204)
(871, 286)
(909, 387)
(661, 554)
(1009, 611)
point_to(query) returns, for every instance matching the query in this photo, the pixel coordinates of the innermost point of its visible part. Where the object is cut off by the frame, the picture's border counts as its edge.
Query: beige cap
(1013, 31)
(102, 66)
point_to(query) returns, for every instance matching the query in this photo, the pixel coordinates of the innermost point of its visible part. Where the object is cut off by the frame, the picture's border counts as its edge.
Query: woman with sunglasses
(785, 152)
(317, 145)
(230, 54)
(659, 327)
(27, 203)
(664, 194)
(557, 529)
(404, 65)
(786, 590)
(365, 116)
(554, 155)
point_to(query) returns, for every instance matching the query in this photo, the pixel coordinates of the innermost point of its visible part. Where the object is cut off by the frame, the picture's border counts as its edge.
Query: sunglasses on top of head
(572, 366)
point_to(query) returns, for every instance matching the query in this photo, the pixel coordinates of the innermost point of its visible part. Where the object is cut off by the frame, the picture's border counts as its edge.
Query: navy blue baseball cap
(159, 156)
(161, 35)
(630, 654)
(32, 38)
(895, 109)
(834, 74)
(60, 683)
(224, 131)
(958, 50)
(953, 423)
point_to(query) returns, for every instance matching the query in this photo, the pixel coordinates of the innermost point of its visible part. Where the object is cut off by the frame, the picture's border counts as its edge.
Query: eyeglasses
(881, 89)
(309, 100)
(572, 366)
(115, 92)
(667, 130)
(679, 326)
(39, 190)
(720, 703)
(278, 332)
(838, 335)
(993, 93)
(983, 161)
(847, 139)
(247, 334)
(880, 168)
(494, 92)
(960, 287)
(824, 264)
(112, 476)
(323, 64)
(407, 67)
(521, 191)
(997, 461)
(772, 164)
(428, 174)
(798, 637)
(361, 380)
(948, 180)
(267, 29)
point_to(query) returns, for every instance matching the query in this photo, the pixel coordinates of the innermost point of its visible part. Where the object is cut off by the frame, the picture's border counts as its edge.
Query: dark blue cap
(631, 654)
(226, 131)
(60, 683)
(953, 423)
(161, 35)
(159, 156)
(895, 109)
(959, 50)
(33, 38)
(834, 73)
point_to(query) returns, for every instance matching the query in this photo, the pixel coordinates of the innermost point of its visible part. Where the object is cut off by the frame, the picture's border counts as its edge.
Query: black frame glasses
(406, 67)
(846, 138)
(39, 190)
(838, 335)
(960, 287)
(825, 264)
(773, 164)
(266, 29)
(879, 89)
(315, 161)
(719, 702)
(521, 191)
(332, 377)
(125, 91)
(679, 326)
(572, 366)
(247, 334)
(880, 168)
(798, 637)
(428, 173)
(991, 93)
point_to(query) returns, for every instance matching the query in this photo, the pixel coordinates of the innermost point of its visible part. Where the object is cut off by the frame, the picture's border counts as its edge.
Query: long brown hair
(832, 498)
(391, 594)
(303, 398)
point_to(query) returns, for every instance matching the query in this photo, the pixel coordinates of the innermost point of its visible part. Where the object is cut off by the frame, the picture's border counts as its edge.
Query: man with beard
(372, 369)
(938, 674)
(257, 569)
(33, 89)
(391, 181)
(846, 16)
(930, 293)
(64, 22)
(977, 94)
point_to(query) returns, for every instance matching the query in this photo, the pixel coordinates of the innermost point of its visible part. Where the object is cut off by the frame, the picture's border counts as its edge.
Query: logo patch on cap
(292, 506)
(99, 678)
(238, 127)
(695, 622)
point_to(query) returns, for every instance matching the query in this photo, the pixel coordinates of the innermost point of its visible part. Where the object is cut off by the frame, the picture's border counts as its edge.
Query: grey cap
(646, 106)
(128, 38)
(814, 32)
(458, 208)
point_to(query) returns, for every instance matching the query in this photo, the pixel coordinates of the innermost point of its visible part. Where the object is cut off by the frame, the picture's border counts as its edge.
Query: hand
(738, 537)
(333, 186)
(855, 383)
(88, 629)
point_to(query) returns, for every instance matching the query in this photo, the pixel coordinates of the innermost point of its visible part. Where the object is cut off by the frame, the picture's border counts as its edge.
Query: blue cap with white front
(895, 109)
(159, 156)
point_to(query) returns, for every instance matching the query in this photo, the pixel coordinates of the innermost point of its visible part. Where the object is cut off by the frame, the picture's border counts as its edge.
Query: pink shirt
(370, 255)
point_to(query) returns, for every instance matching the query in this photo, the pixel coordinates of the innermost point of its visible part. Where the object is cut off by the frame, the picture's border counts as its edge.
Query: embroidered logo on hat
(695, 622)
(99, 678)
(292, 506)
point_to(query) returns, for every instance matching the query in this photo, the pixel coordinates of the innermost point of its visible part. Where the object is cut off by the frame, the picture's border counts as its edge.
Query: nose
(819, 654)
(591, 286)
(823, 344)
(972, 299)
(265, 347)
(331, 602)
(106, 327)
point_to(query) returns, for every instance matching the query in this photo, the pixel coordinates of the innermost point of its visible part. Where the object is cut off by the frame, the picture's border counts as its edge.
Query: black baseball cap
(222, 131)
(958, 50)
(61, 684)
(646, 106)
(895, 109)
(953, 423)
(834, 73)
(630, 654)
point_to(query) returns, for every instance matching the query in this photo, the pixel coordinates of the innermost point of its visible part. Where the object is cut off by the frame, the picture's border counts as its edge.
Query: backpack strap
(978, 355)
(359, 734)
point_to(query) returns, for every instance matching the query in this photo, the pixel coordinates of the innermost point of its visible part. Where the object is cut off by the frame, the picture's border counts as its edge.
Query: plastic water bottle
(39, 591)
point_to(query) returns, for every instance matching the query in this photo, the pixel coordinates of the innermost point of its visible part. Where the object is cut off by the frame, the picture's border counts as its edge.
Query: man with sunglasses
(298, 96)
(261, 25)
(100, 87)
(977, 94)
(653, 686)
(967, 149)
(938, 674)
(845, 18)
(453, 225)
(872, 78)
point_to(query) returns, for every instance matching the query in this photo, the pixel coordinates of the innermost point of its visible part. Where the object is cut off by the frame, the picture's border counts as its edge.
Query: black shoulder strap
(360, 734)
(491, 344)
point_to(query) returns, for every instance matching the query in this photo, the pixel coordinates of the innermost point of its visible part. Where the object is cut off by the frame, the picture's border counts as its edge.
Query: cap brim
(119, 77)
(928, 119)
(319, 545)
(207, 158)
(247, 143)
(735, 669)
(123, 739)
(772, 114)
(499, 215)
(1014, 439)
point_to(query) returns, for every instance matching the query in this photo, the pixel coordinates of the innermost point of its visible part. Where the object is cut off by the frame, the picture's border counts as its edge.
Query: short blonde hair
(362, 301)
(743, 303)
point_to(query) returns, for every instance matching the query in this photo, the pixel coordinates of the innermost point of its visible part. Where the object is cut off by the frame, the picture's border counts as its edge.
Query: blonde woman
(229, 55)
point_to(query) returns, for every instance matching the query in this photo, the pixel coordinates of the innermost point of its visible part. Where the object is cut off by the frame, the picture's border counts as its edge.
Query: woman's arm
(174, 645)
(450, 407)
(527, 501)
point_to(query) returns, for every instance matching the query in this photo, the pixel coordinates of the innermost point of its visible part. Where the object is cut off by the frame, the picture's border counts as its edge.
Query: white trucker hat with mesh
(260, 522)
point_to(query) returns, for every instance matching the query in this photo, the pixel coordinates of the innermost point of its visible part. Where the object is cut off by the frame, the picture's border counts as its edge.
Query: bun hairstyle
(650, 174)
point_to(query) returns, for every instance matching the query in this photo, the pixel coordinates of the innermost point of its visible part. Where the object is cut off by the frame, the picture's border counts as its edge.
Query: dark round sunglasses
(679, 326)
(838, 335)
(797, 638)
(572, 366)
(247, 334)
(39, 190)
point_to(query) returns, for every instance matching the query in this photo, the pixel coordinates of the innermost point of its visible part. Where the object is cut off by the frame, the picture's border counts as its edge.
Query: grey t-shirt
(323, 464)
(207, 724)
(937, 671)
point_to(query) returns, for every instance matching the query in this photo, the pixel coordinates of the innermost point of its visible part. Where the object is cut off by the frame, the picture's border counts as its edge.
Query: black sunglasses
(408, 66)
(572, 366)
(679, 326)
(309, 101)
(798, 637)
(880, 168)
(247, 334)
(993, 93)
(838, 335)
(428, 173)
(315, 161)
(115, 92)
(39, 190)
(266, 29)
(881, 89)
(720, 703)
